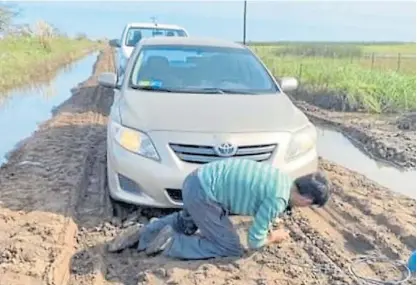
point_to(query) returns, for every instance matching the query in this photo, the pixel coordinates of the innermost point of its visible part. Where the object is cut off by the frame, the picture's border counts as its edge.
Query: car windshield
(134, 35)
(200, 69)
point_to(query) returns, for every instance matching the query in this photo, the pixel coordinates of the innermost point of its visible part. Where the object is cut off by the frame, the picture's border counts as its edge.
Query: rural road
(56, 218)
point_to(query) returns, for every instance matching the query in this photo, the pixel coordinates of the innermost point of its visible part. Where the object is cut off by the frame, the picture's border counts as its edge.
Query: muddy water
(335, 147)
(22, 110)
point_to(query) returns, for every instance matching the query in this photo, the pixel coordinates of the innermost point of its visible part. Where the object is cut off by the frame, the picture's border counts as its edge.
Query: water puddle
(22, 110)
(335, 147)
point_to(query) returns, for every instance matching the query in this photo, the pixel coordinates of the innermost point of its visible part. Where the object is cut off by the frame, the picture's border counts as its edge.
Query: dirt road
(55, 217)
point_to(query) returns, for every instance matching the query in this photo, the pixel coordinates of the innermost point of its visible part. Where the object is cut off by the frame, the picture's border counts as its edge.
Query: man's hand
(278, 236)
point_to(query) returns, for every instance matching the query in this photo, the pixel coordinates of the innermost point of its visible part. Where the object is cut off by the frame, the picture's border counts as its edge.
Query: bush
(81, 36)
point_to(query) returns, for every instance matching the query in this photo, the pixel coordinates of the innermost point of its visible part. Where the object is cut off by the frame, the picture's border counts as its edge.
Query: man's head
(310, 189)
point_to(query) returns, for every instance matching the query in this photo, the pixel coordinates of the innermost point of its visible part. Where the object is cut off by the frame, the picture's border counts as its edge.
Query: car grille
(204, 154)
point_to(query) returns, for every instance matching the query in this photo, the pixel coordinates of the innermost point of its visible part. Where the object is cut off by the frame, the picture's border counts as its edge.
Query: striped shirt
(247, 187)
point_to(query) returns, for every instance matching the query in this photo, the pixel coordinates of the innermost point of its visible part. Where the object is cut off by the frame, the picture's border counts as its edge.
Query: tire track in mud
(38, 198)
(342, 230)
(92, 211)
(374, 207)
(96, 101)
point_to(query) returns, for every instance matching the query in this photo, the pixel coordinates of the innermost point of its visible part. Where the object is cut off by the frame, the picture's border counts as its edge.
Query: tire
(120, 209)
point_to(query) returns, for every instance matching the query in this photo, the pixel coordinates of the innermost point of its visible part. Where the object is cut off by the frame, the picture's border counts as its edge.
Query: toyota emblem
(225, 149)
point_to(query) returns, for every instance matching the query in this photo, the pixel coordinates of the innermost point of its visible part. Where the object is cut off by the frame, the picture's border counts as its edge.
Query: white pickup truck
(133, 33)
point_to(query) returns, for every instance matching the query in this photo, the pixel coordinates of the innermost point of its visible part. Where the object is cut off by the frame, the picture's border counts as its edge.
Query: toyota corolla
(189, 101)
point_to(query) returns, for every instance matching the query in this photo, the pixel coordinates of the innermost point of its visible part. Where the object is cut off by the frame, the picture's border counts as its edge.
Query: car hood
(154, 111)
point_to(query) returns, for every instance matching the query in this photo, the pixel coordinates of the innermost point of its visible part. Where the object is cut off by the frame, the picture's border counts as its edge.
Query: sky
(266, 20)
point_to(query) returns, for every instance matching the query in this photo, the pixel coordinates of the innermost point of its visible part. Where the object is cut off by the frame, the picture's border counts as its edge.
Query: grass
(378, 48)
(23, 59)
(406, 48)
(378, 87)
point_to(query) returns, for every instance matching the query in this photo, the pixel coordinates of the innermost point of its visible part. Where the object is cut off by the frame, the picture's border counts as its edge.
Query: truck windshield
(134, 35)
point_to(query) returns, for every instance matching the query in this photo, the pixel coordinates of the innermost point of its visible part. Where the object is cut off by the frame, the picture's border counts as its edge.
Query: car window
(134, 35)
(122, 36)
(201, 69)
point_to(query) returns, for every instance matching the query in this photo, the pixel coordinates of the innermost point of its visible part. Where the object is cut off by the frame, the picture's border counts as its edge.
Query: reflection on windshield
(201, 70)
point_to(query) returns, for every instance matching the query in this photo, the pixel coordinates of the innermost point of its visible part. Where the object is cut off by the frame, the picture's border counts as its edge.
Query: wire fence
(381, 82)
(398, 62)
(401, 63)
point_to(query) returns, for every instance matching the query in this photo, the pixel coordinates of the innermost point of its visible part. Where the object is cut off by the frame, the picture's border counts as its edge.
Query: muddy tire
(120, 209)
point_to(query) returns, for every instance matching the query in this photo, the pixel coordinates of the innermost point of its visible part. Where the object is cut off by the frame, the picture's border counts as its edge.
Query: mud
(37, 199)
(389, 138)
(56, 218)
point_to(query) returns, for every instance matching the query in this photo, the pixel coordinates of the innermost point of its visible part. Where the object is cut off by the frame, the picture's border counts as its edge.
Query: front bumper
(138, 180)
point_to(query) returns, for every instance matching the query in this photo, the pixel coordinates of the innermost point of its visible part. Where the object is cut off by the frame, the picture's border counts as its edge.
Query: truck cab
(133, 33)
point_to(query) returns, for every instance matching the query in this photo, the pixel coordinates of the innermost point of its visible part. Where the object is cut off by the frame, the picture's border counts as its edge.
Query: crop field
(381, 78)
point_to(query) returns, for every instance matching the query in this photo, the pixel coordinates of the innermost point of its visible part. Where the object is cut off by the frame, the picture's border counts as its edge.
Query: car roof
(153, 25)
(190, 41)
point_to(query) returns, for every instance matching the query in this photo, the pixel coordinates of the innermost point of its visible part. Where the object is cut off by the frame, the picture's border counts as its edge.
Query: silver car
(188, 101)
(133, 33)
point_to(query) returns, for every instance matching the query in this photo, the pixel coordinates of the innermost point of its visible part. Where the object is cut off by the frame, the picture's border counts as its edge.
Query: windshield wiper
(151, 88)
(223, 91)
(208, 90)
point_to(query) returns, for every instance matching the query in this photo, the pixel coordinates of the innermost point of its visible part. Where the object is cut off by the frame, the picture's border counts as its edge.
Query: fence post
(373, 60)
(398, 62)
(300, 71)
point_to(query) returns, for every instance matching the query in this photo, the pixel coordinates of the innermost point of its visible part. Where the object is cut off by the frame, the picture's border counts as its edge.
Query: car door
(121, 60)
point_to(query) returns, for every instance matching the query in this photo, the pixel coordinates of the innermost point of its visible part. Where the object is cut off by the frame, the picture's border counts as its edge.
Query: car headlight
(134, 141)
(301, 142)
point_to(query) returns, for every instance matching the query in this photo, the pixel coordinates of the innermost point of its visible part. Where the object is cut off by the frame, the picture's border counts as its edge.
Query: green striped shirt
(247, 187)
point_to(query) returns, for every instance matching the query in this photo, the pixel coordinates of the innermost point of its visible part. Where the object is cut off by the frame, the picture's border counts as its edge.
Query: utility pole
(244, 21)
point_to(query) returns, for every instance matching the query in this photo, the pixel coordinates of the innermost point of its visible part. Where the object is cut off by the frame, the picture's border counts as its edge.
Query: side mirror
(288, 84)
(114, 43)
(107, 79)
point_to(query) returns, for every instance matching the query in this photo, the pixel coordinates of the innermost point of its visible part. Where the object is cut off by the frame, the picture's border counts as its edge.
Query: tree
(7, 13)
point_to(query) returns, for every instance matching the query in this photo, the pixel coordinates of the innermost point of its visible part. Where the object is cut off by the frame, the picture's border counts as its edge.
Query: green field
(22, 59)
(396, 48)
(381, 77)
(386, 48)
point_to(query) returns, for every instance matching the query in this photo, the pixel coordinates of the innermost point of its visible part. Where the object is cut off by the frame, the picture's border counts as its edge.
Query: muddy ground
(56, 218)
(387, 137)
